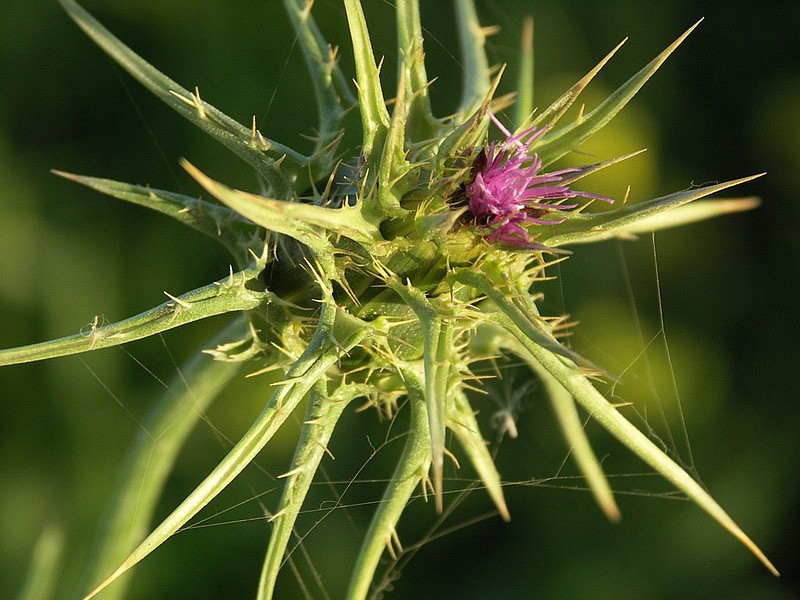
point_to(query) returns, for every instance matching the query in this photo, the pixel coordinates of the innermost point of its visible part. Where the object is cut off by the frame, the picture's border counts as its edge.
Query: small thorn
(452, 457)
(327, 451)
(277, 515)
(198, 103)
(393, 545)
(178, 301)
(490, 30)
(294, 471)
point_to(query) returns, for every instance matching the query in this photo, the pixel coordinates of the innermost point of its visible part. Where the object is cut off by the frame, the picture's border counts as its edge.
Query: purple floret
(507, 192)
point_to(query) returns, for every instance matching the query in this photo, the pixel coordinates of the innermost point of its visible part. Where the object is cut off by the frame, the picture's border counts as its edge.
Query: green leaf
(584, 227)
(245, 142)
(231, 294)
(566, 139)
(217, 222)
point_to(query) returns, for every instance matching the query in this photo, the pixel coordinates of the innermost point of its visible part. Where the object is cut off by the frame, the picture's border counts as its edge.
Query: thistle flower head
(379, 297)
(507, 190)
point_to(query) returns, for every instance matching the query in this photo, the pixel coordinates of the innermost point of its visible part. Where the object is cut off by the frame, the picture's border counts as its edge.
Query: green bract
(382, 287)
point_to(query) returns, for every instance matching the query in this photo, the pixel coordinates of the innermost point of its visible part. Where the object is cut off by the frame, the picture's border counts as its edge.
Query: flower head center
(507, 191)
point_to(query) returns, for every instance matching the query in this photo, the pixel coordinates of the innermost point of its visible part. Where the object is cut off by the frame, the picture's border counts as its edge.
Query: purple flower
(507, 191)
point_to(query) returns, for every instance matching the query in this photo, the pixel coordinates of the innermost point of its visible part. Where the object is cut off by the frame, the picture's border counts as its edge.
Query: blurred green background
(724, 106)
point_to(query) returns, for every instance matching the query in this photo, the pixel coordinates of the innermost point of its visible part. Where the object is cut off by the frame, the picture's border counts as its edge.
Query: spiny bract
(394, 267)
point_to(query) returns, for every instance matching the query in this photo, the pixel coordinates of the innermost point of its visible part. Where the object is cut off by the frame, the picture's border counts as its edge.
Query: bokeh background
(725, 105)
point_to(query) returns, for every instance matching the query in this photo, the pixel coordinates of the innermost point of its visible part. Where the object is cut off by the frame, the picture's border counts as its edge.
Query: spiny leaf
(461, 141)
(393, 163)
(421, 122)
(511, 317)
(572, 428)
(320, 355)
(461, 420)
(558, 143)
(591, 227)
(218, 222)
(322, 416)
(685, 214)
(330, 87)
(374, 116)
(610, 418)
(231, 294)
(153, 453)
(550, 116)
(593, 168)
(566, 414)
(438, 358)
(437, 339)
(474, 64)
(239, 139)
(303, 222)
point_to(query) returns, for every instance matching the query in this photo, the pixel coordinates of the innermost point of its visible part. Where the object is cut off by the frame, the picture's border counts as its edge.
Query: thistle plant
(384, 267)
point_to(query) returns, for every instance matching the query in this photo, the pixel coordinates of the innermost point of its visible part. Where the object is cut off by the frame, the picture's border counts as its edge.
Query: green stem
(411, 468)
(45, 565)
(321, 418)
(524, 104)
